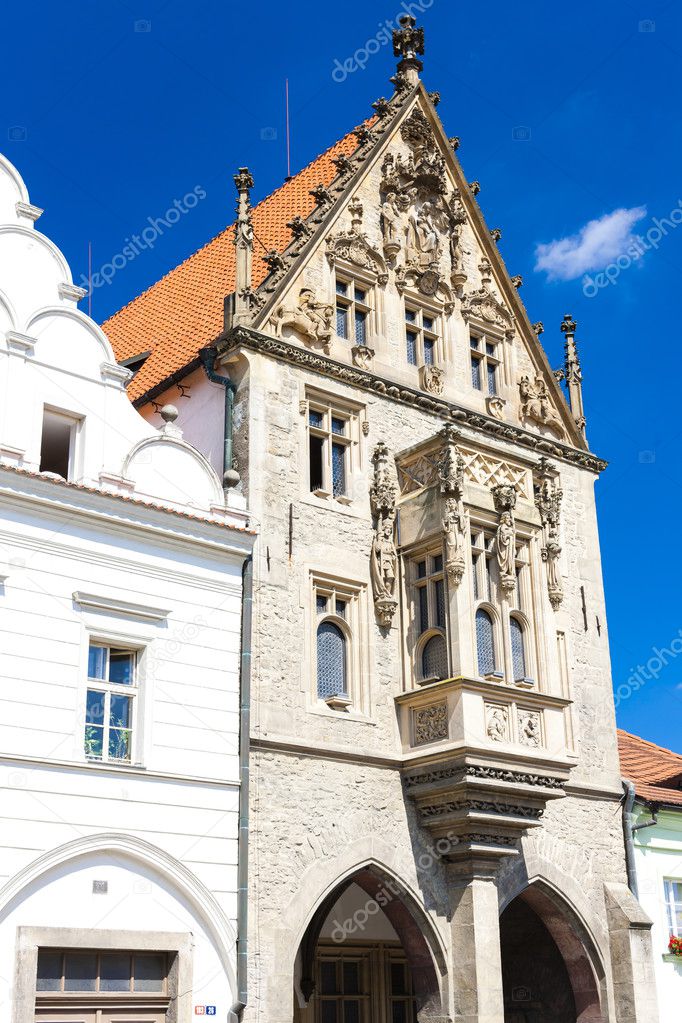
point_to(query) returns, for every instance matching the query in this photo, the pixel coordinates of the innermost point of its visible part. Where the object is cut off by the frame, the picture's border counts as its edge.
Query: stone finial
(169, 413)
(355, 209)
(243, 241)
(381, 106)
(435, 98)
(321, 195)
(408, 43)
(573, 372)
(517, 281)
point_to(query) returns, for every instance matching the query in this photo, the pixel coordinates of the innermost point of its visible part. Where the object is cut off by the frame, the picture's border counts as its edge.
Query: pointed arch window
(485, 642)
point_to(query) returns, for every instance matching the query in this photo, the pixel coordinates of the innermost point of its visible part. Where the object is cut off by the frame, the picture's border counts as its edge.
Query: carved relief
(505, 537)
(497, 723)
(430, 723)
(495, 406)
(363, 356)
(307, 316)
(486, 470)
(432, 379)
(536, 404)
(483, 304)
(353, 247)
(530, 728)
(455, 519)
(384, 557)
(548, 497)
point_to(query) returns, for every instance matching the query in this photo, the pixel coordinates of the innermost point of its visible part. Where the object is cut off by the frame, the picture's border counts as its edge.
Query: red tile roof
(183, 312)
(656, 771)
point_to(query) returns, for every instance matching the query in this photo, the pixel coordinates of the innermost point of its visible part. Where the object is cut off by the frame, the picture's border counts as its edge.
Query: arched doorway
(549, 973)
(365, 957)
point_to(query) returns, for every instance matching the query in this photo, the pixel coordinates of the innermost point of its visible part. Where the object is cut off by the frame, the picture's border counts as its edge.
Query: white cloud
(595, 245)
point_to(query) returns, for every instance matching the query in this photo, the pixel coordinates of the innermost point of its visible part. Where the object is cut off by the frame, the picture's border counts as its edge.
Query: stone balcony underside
(481, 761)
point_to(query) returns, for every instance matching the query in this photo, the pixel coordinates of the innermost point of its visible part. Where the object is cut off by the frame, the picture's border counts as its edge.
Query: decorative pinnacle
(455, 142)
(568, 325)
(539, 328)
(496, 234)
(475, 187)
(408, 43)
(243, 180)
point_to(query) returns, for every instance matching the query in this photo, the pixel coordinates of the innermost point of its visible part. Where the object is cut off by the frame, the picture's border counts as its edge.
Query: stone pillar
(476, 956)
(632, 962)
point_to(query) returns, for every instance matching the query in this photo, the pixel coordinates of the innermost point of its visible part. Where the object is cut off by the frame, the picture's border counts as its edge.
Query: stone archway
(370, 913)
(550, 971)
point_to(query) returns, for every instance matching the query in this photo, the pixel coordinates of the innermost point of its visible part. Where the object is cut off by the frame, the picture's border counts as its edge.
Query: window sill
(341, 505)
(669, 958)
(323, 711)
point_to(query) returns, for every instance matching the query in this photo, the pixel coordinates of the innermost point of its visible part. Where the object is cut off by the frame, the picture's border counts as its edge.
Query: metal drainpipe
(208, 356)
(629, 828)
(239, 1005)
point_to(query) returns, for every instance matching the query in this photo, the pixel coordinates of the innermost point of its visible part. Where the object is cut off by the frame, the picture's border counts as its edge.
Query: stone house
(435, 829)
(121, 567)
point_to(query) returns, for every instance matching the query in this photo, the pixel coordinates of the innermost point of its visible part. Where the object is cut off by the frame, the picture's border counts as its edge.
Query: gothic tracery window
(485, 363)
(421, 336)
(353, 309)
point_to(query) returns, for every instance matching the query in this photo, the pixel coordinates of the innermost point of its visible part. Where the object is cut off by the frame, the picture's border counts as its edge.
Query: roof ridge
(230, 226)
(648, 742)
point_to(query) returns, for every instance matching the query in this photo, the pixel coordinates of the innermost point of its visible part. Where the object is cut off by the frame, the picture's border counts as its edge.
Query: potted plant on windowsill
(675, 947)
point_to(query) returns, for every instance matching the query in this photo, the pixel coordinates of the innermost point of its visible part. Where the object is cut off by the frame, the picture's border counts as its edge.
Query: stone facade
(463, 790)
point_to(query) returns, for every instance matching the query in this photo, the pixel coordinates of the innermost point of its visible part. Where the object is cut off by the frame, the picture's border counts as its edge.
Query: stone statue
(311, 318)
(423, 237)
(548, 497)
(451, 477)
(384, 560)
(505, 547)
(390, 220)
(383, 557)
(536, 403)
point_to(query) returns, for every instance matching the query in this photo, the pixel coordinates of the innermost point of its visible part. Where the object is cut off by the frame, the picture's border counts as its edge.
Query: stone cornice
(278, 348)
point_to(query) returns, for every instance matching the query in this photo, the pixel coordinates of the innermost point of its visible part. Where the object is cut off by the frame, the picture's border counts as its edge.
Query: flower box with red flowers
(675, 946)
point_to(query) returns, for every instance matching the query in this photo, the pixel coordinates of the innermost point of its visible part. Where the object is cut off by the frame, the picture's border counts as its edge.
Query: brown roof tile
(183, 312)
(656, 771)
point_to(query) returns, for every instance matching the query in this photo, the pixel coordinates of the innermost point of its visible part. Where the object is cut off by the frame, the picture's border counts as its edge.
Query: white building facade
(121, 578)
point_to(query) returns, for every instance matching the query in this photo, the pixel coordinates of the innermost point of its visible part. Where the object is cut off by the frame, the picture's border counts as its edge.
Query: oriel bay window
(110, 703)
(421, 337)
(429, 614)
(352, 310)
(502, 619)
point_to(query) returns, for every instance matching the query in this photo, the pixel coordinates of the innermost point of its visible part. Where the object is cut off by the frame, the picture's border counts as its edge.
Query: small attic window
(135, 362)
(57, 443)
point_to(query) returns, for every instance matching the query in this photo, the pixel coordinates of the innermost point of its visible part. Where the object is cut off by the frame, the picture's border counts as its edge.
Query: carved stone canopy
(353, 247)
(483, 304)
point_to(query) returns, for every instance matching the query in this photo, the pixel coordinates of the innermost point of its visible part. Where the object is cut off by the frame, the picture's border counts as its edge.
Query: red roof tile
(656, 771)
(183, 312)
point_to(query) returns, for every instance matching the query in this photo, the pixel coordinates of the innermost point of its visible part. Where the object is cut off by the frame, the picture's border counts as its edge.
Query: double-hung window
(485, 364)
(329, 451)
(421, 337)
(673, 901)
(352, 311)
(110, 703)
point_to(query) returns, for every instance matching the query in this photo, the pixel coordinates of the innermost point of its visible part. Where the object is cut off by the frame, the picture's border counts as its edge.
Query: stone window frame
(352, 275)
(332, 406)
(354, 627)
(500, 338)
(502, 609)
(30, 939)
(415, 302)
(416, 639)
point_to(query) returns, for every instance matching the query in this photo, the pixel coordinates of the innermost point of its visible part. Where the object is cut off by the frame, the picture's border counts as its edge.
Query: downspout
(208, 356)
(239, 1005)
(629, 829)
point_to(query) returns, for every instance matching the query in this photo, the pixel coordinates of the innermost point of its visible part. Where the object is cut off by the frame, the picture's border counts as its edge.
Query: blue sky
(570, 117)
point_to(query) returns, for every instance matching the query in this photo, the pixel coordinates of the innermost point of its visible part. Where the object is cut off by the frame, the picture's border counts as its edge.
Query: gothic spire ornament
(572, 372)
(243, 242)
(408, 43)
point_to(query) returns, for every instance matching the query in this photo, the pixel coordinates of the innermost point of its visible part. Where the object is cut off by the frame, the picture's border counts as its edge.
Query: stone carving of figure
(384, 560)
(454, 526)
(505, 547)
(536, 403)
(423, 234)
(390, 218)
(311, 318)
(497, 725)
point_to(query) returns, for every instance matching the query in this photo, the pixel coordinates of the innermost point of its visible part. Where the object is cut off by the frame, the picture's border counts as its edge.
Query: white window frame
(109, 689)
(672, 902)
(75, 424)
(435, 334)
